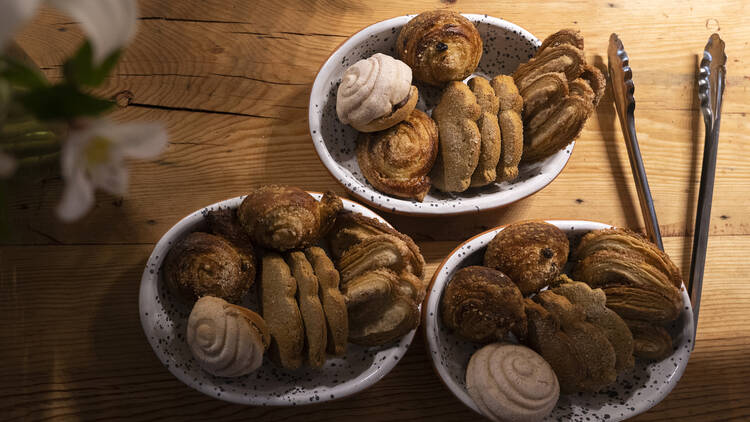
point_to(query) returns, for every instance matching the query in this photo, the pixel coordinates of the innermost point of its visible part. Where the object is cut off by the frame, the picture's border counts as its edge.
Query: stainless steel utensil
(623, 88)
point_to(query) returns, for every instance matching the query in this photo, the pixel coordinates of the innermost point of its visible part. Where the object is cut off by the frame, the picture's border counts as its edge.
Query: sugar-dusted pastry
(532, 254)
(440, 46)
(563, 125)
(310, 307)
(460, 140)
(489, 132)
(511, 383)
(225, 223)
(596, 81)
(226, 340)
(376, 93)
(397, 160)
(381, 251)
(651, 341)
(202, 264)
(563, 36)
(284, 217)
(593, 303)
(564, 58)
(482, 305)
(281, 311)
(334, 303)
(511, 126)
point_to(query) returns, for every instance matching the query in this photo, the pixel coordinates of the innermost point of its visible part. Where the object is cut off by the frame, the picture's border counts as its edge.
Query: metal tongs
(710, 92)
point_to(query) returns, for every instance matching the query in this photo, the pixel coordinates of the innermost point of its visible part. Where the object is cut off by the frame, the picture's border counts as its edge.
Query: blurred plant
(58, 126)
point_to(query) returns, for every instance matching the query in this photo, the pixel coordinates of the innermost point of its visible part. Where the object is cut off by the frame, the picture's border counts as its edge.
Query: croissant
(511, 126)
(440, 46)
(203, 264)
(532, 254)
(283, 218)
(460, 140)
(489, 132)
(482, 305)
(510, 382)
(397, 160)
(226, 340)
(376, 93)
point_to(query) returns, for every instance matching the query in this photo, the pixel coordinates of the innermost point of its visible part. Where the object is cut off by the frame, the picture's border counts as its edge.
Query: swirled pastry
(563, 125)
(376, 93)
(489, 132)
(651, 341)
(511, 383)
(397, 160)
(460, 140)
(532, 254)
(227, 340)
(564, 58)
(511, 127)
(596, 81)
(203, 264)
(482, 305)
(563, 36)
(440, 46)
(283, 217)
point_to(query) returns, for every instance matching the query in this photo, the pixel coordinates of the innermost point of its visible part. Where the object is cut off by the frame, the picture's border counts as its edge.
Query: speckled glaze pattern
(505, 46)
(633, 393)
(164, 320)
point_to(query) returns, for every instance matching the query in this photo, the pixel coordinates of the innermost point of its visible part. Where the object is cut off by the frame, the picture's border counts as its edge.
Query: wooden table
(231, 79)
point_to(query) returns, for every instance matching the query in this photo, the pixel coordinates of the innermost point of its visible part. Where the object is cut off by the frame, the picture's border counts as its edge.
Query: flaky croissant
(440, 46)
(397, 160)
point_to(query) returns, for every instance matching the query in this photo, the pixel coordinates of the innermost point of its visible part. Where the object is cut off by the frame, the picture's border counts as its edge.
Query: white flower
(8, 165)
(94, 157)
(109, 24)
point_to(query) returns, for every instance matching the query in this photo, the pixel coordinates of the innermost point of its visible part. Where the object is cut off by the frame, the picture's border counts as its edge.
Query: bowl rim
(150, 281)
(430, 342)
(336, 173)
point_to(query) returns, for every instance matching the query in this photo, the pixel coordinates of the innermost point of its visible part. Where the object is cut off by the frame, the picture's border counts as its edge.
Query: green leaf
(81, 69)
(63, 101)
(18, 74)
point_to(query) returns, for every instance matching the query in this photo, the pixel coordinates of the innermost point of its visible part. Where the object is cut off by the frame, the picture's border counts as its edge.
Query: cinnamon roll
(440, 46)
(397, 160)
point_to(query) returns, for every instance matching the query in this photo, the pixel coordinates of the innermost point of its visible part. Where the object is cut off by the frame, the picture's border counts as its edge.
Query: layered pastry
(376, 93)
(226, 340)
(511, 126)
(203, 264)
(440, 46)
(311, 309)
(489, 132)
(460, 139)
(482, 305)
(651, 342)
(334, 303)
(284, 217)
(281, 312)
(397, 160)
(511, 383)
(532, 254)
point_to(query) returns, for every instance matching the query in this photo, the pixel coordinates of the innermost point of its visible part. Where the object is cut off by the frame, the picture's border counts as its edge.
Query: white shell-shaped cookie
(222, 340)
(370, 88)
(510, 382)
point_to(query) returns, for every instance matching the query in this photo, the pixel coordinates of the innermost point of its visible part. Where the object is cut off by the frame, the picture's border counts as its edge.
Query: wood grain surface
(231, 79)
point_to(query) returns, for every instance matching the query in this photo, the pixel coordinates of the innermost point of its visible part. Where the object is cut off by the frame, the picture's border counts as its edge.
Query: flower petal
(111, 176)
(13, 14)
(77, 199)
(109, 24)
(8, 165)
(138, 140)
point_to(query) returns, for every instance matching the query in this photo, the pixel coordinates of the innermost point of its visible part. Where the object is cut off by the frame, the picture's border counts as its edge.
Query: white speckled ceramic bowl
(506, 45)
(164, 320)
(633, 393)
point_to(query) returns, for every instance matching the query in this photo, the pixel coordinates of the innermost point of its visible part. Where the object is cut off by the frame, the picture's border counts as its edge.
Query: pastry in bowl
(376, 93)
(511, 126)
(440, 46)
(489, 132)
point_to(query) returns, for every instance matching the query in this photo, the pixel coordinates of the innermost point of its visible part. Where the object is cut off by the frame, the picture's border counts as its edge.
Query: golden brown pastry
(397, 161)
(483, 305)
(334, 303)
(562, 126)
(563, 36)
(489, 132)
(564, 58)
(511, 127)
(225, 223)
(376, 93)
(283, 217)
(227, 340)
(203, 264)
(310, 307)
(641, 303)
(281, 312)
(542, 97)
(596, 81)
(593, 304)
(510, 382)
(381, 251)
(460, 140)
(532, 254)
(440, 46)
(580, 88)
(651, 341)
